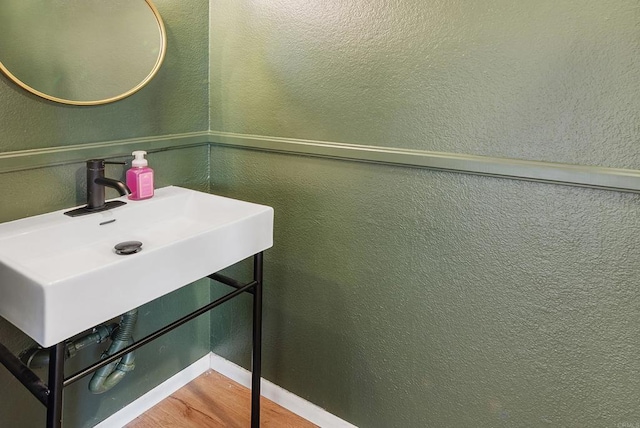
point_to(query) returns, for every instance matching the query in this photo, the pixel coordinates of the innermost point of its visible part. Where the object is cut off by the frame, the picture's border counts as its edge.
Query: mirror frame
(143, 83)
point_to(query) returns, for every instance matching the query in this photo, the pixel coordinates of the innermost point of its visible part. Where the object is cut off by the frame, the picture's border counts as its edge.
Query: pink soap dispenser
(140, 177)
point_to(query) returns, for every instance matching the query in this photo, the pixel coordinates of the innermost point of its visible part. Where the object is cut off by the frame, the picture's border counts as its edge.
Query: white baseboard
(157, 394)
(278, 395)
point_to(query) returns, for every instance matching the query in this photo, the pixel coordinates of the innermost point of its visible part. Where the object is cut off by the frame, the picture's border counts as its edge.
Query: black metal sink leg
(56, 379)
(257, 341)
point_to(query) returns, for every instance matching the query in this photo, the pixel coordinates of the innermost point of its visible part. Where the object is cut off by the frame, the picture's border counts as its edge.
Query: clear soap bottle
(140, 177)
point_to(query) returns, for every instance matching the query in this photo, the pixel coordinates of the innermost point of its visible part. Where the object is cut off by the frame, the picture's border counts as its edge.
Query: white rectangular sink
(60, 275)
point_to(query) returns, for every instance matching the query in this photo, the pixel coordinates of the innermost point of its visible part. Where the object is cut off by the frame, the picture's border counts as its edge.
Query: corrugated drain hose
(108, 376)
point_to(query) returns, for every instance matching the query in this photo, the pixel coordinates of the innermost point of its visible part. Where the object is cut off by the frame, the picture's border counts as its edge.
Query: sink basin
(61, 275)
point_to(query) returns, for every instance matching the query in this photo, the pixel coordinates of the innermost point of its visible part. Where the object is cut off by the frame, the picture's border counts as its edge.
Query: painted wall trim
(51, 156)
(626, 180)
(211, 361)
(279, 395)
(617, 179)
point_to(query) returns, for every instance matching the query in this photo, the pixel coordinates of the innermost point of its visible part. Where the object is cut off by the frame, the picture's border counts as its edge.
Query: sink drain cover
(128, 247)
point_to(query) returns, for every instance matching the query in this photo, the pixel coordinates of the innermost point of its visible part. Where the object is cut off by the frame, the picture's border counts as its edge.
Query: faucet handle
(114, 163)
(95, 164)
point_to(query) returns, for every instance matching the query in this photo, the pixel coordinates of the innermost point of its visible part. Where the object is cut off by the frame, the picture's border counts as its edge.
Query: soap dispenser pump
(140, 177)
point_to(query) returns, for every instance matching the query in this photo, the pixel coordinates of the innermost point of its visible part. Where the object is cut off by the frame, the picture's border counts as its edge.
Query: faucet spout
(114, 184)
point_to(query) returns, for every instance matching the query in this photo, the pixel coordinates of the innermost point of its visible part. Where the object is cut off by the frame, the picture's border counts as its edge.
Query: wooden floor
(213, 400)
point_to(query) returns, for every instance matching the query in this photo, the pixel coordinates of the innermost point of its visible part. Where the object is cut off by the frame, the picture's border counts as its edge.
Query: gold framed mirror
(81, 52)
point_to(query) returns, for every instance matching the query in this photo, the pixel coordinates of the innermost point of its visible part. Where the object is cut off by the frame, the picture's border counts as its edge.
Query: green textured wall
(542, 80)
(175, 102)
(396, 296)
(401, 297)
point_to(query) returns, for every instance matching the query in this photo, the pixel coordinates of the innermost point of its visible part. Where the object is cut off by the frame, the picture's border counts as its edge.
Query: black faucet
(96, 182)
